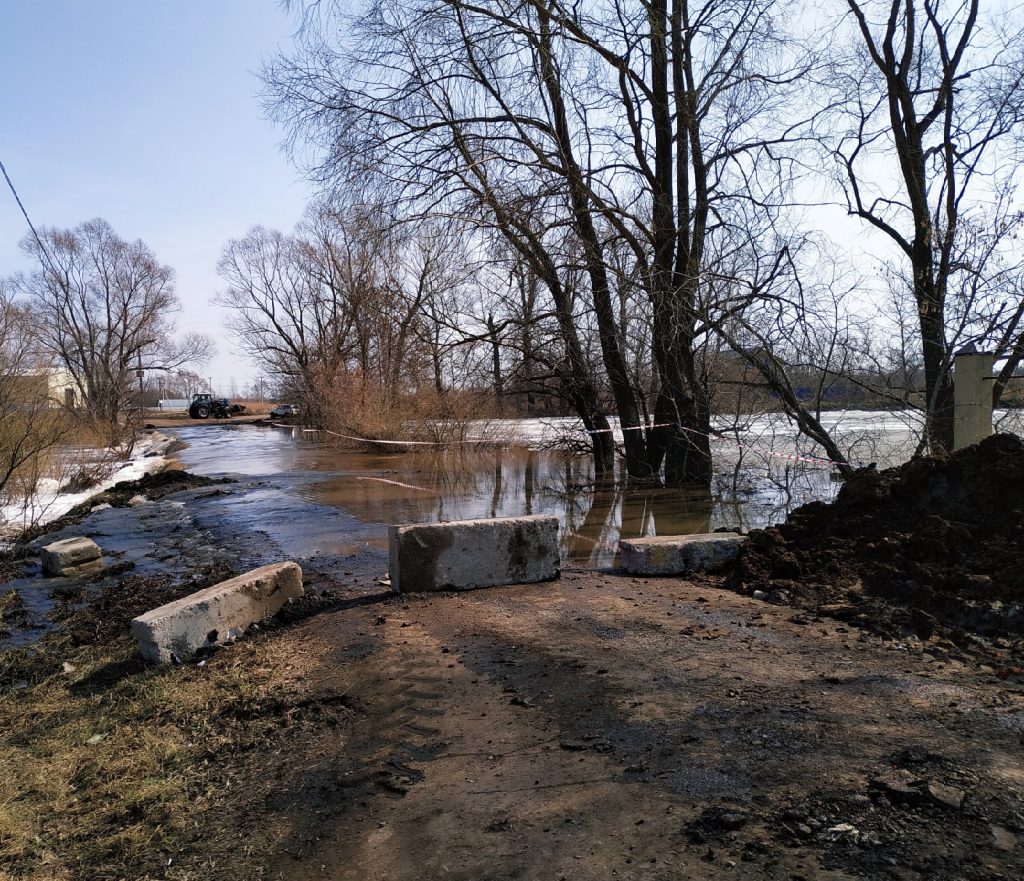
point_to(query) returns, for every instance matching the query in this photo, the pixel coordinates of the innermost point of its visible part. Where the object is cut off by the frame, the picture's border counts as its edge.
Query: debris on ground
(931, 546)
(149, 487)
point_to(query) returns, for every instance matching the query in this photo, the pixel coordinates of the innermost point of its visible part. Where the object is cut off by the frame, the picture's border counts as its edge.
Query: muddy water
(312, 497)
(295, 496)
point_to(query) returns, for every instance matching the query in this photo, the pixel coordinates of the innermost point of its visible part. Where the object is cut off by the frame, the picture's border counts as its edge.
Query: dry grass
(116, 769)
(367, 410)
(255, 408)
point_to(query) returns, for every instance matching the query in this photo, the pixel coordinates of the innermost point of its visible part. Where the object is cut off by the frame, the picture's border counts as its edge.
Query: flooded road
(311, 497)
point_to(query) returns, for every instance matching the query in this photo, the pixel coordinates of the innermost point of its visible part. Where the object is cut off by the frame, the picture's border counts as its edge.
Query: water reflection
(462, 483)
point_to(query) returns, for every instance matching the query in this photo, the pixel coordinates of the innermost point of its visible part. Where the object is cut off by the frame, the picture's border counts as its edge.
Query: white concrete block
(217, 613)
(679, 554)
(71, 556)
(464, 554)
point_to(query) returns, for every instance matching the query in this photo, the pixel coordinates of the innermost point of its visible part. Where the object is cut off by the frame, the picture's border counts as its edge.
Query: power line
(17, 199)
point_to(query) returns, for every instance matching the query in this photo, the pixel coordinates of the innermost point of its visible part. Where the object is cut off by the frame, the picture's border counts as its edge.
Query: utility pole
(142, 391)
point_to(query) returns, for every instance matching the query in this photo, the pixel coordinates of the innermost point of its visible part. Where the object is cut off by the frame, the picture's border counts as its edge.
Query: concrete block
(465, 554)
(71, 556)
(217, 613)
(679, 554)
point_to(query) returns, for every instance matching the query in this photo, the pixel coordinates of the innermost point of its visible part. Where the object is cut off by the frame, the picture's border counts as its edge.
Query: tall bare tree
(932, 104)
(569, 129)
(102, 309)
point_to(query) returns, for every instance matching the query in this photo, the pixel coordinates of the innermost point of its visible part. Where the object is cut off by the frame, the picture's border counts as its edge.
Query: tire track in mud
(547, 732)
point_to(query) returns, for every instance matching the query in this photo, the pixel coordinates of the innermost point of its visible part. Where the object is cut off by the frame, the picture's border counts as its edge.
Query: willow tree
(574, 131)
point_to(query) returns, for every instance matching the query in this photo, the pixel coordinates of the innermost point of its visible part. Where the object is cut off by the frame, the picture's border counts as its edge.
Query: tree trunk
(498, 383)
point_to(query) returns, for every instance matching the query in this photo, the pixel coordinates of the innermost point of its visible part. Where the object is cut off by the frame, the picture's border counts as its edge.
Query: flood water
(311, 496)
(297, 495)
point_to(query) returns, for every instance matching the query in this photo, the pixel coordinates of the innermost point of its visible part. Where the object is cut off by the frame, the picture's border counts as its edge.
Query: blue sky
(146, 113)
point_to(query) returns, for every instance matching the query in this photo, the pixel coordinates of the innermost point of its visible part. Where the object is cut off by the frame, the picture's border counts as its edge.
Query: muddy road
(595, 727)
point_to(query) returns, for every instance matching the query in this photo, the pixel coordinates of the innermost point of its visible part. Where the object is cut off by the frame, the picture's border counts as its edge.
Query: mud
(933, 546)
(151, 486)
(616, 728)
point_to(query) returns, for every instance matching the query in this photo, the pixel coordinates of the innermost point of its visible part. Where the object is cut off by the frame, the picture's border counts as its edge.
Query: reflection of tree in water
(505, 482)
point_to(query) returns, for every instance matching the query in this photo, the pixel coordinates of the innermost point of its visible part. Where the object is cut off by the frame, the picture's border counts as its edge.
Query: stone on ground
(71, 556)
(679, 554)
(466, 554)
(178, 629)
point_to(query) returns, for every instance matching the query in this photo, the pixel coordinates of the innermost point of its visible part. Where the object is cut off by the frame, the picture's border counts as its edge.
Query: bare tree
(102, 309)
(349, 304)
(579, 132)
(932, 105)
(31, 421)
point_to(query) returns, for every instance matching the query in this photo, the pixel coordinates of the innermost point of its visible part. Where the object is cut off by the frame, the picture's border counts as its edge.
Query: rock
(899, 786)
(945, 796)
(732, 820)
(844, 831)
(135, 501)
(215, 615)
(1004, 839)
(71, 557)
(465, 554)
(679, 554)
(103, 506)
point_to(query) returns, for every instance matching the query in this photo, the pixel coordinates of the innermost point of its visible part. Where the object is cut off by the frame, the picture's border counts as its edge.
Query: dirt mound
(933, 544)
(155, 486)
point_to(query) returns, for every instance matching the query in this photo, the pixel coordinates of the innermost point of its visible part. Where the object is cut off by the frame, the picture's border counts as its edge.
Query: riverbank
(51, 501)
(183, 420)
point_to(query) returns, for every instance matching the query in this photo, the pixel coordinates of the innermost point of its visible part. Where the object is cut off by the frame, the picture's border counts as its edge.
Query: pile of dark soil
(155, 486)
(936, 544)
(152, 486)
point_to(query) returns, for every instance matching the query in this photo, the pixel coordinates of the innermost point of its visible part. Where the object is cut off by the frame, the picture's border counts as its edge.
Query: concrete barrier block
(217, 613)
(679, 554)
(465, 554)
(71, 556)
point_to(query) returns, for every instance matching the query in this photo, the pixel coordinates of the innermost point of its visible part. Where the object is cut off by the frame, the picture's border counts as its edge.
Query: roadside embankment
(52, 500)
(931, 546)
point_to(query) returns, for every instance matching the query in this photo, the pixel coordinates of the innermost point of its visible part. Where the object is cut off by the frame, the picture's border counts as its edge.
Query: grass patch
(116, 769)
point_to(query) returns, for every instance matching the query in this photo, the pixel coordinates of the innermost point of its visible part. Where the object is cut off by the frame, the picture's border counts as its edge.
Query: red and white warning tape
(764, 451)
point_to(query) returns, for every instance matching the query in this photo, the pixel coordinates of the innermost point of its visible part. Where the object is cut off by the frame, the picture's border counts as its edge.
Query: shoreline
(47, 503)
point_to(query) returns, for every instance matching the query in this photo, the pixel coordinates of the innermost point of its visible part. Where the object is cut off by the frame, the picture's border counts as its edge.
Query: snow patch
(48, 503)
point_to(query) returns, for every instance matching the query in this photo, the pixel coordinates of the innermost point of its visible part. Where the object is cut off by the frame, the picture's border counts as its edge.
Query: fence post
(972, 398)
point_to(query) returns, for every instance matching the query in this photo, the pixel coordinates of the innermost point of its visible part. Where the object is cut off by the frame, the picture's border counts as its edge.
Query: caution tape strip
(764, 451)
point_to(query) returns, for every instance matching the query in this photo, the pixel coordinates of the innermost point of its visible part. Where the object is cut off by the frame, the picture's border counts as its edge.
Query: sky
(147, 113)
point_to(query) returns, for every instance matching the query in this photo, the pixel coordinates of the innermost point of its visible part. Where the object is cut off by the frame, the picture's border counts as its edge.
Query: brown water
(302, 484)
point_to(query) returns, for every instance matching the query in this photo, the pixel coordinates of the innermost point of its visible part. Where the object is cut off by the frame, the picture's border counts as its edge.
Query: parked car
(284, 411)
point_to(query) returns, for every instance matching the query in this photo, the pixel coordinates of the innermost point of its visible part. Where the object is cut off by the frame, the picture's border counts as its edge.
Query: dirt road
(604, 727)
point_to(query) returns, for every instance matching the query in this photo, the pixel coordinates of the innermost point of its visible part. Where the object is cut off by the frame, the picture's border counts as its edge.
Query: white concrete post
(972, 398)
